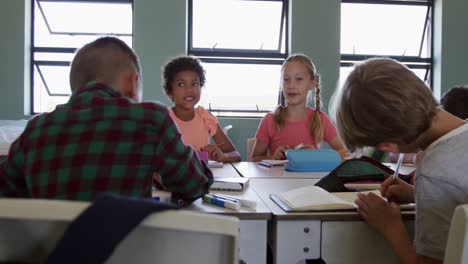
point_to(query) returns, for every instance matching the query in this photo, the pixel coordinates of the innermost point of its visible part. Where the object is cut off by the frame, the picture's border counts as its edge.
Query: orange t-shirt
(197, 131)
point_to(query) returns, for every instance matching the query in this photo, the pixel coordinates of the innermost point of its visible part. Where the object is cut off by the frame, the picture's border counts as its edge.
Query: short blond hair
(383, 101)
(102, 60)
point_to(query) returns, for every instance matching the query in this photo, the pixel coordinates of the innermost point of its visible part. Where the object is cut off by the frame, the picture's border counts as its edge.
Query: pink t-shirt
(197, 131)
(294, 132)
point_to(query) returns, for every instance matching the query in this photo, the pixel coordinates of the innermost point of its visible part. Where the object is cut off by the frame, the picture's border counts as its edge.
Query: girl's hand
(308, 146)
(400, 191)
(280, 152)
(378, 213)
(214, 153)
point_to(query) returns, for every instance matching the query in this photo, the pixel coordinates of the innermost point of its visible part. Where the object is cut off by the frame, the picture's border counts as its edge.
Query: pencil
(400, 160)
(395, 175)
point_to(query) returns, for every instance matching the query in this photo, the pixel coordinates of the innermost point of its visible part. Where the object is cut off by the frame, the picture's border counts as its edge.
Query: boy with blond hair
(385, 105)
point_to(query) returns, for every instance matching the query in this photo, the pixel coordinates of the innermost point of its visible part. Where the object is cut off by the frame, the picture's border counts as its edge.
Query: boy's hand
(378, 213)
(214, 153)
(280, 152)
(400, 191)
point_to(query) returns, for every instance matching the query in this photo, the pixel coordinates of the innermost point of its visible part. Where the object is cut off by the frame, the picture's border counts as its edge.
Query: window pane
(241, 86)
(382, 29)
(55, 79)
(63, 24)
(231, 24)
(51, 56)
(345, 71)
(117, 19)
(43, 102)
(76, 17)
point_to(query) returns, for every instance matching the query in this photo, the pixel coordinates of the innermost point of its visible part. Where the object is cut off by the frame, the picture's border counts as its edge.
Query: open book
(314, 198)
(230, 183)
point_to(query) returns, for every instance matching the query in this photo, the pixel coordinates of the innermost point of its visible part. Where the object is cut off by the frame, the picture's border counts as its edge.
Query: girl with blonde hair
(295, 124)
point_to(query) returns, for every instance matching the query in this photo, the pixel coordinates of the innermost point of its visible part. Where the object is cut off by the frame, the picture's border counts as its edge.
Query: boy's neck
(296, 112)
(442, 123)
(184, 114)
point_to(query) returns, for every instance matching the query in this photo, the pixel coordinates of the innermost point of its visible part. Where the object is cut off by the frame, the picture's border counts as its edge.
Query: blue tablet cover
(311, 160)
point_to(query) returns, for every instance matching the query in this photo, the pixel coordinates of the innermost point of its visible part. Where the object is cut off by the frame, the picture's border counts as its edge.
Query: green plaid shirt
(99, 142)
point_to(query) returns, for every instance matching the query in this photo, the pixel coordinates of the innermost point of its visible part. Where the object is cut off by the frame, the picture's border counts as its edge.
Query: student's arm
(398, 191)
(7, 188)
(386, 219)
(223, 149)
(331, 137)
(12, 182)
(182, 173)
(261, 149)
(410, 158)
(338, 146)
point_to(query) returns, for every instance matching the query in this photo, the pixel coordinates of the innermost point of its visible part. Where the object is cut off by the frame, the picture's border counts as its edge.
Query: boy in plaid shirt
(102, 139)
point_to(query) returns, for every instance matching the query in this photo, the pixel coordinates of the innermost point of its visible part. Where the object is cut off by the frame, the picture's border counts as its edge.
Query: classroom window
(59, 28)
(398, 29)
(242, 45)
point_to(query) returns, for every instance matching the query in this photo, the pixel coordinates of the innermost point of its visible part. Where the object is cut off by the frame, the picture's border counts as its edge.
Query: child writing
(454, 101)
(385, 105)
(183, 79)
(296, 124)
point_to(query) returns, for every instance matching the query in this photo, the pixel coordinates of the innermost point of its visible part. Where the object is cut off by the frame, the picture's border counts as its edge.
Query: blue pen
(265, 164)
(218, 201)
(397, 169)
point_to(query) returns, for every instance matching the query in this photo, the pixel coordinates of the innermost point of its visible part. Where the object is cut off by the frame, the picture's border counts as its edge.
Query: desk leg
(253, 241)
(296, 240)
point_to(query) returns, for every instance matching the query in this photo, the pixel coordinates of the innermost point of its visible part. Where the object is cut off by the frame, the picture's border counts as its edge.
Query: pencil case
(303, 160)
(357, 171)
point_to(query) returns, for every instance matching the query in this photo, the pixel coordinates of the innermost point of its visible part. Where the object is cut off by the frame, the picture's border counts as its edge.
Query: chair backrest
(30, 229)
(456, 251)
(226, 129)
(250, 146)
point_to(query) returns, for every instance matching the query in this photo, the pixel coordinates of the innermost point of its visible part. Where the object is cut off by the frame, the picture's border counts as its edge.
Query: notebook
(271, 163)
(314, 198)
(230, 184)
(215, 164)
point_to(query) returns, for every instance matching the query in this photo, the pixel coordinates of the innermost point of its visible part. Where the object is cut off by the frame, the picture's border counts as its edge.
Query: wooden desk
(253, 224)
(336, 237)
(253, 170)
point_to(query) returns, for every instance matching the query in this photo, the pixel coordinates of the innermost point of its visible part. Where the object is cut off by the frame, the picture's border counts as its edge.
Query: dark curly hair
(178, 64)
(455, 101)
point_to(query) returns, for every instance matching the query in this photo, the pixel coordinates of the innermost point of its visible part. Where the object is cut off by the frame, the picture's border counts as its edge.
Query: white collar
(450, 134)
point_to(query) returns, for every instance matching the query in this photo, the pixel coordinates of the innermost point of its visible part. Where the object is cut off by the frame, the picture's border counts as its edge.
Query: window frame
(34, 64)
(412, 62)
(242, 56)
